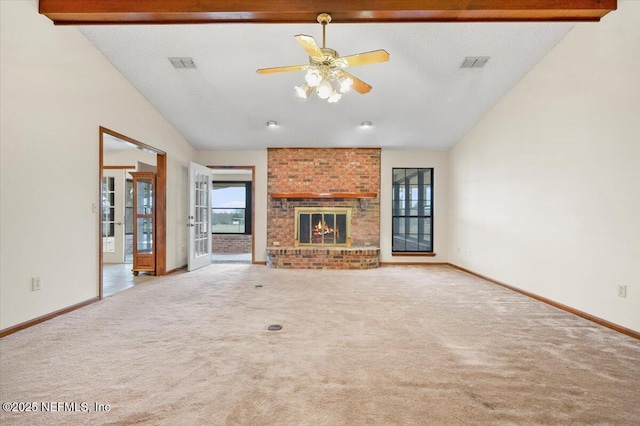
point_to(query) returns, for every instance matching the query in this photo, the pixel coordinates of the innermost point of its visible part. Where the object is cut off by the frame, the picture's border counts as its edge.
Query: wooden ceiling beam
(91, 12)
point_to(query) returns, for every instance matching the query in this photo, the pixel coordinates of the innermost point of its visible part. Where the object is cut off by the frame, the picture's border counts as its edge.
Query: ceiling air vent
(182, 62)
(474, 61)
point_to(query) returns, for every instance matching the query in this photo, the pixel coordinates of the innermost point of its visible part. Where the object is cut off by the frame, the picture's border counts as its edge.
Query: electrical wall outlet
(36, 284)
(622, 291)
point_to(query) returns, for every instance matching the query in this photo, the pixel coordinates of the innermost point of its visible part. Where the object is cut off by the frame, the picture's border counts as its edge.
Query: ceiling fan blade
(282, 69)
(358, 85)
(309, 44)
(365, 58)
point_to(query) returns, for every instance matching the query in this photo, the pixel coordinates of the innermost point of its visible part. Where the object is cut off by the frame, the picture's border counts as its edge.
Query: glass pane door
(199, 216)
(108, 214)
(202, 215)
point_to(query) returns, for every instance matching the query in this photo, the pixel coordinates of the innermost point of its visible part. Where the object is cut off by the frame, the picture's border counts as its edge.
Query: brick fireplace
(313, 192)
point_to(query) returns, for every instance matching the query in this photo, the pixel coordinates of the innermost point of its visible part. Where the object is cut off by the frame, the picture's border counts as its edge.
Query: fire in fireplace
(316, 226)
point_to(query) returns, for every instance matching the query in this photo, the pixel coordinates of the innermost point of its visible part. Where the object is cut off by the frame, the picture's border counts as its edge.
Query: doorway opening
(119, 156)
(232, 214)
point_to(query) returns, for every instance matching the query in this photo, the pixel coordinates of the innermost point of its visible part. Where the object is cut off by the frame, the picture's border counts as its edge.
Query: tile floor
(117, 277)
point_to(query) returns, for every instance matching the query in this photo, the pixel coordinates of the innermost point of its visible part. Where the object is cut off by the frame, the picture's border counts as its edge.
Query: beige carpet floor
(397, 345)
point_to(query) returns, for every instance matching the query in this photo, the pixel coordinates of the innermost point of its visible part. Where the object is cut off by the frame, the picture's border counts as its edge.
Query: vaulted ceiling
(421, 98)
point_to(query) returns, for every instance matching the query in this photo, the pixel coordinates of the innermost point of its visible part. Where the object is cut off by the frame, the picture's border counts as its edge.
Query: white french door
(113, 216)
(199, 216)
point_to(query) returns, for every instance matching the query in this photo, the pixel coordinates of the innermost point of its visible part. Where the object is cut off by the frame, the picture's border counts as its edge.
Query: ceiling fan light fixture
(346, 83)
(334, 97)
(303, 91)
(324, 89)
(324, 70)
(313, 77)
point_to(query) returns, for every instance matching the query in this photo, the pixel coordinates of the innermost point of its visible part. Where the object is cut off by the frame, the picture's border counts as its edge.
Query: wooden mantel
(317, 195)
(91, 12)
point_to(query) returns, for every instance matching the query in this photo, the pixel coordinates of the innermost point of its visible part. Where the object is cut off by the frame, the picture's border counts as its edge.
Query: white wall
(128, 158)
(232, 177)
(247, 158)
(545, 190)
(57, 89)
(425, 159)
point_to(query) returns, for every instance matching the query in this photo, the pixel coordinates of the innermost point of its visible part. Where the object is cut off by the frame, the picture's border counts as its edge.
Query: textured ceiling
(421, 98)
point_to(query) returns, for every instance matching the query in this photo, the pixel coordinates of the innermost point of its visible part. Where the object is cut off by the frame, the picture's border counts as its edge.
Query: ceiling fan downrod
(324, 19)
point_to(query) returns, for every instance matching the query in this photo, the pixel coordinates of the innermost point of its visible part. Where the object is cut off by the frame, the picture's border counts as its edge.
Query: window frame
(420, 215)
(248, 185)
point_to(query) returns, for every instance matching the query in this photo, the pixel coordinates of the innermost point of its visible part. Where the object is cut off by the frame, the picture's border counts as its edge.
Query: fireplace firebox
(318, 226)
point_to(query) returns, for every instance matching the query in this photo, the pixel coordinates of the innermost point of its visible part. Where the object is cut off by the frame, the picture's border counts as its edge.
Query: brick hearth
(323, 258)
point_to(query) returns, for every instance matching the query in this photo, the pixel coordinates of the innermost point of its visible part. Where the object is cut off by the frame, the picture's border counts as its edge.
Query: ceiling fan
(325, 71)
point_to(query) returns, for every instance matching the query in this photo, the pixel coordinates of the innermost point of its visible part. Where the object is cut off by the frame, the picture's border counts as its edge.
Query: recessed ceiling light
(272, 123)
(366, 124)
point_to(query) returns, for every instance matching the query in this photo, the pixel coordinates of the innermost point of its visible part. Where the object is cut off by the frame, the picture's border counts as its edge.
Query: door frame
(161, 202)
(253, 203)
